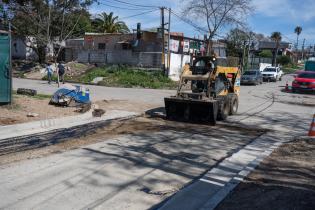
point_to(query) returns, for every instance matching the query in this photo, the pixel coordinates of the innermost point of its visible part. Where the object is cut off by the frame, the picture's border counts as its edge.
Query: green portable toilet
(5, 68)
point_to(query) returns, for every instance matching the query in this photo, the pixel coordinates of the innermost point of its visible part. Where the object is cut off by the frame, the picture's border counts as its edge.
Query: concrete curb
(222, 193)
(11, 131)
(209, 190)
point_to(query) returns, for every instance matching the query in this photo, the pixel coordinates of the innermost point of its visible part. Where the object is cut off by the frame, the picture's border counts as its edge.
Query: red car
(304, 81)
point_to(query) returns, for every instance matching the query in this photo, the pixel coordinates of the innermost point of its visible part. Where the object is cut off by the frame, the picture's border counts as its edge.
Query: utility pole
(303, 49)
(243, 56)
(169, 42)
(249, 43)
(163, 38)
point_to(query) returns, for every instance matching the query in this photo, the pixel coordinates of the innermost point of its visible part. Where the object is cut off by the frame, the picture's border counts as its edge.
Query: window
(101, 46)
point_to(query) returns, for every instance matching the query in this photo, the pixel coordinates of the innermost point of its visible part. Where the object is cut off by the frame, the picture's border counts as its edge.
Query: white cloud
(294, 10)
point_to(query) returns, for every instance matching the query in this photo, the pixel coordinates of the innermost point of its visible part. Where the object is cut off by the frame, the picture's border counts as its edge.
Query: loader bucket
(191, 110)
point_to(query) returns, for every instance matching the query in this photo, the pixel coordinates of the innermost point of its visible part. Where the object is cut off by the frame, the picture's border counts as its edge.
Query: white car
(272, 74)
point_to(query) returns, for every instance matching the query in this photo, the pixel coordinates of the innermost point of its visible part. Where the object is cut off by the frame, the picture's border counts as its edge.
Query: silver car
(252, 77)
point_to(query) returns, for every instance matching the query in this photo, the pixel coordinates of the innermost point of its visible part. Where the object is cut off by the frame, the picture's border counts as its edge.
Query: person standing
(49, 71)
(61, 72)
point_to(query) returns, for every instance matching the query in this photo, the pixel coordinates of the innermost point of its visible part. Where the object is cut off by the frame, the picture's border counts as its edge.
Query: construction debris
(83, 108)
(30, 114)
(28, 92)
(98, 112)
(71, 95)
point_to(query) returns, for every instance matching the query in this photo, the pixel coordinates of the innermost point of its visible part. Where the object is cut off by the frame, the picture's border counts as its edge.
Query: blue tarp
(64, 95)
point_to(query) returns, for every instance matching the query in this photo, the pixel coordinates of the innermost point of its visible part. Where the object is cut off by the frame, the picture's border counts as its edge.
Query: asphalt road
(139, 171)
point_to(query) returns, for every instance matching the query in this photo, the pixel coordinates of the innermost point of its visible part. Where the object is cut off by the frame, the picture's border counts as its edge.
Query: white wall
(21, 51)
(178, 61)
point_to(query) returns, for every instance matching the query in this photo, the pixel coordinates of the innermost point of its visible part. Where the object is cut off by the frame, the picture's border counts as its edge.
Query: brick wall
(128, 57)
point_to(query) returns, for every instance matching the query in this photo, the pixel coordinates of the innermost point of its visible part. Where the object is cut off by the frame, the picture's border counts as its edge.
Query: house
(72, 49)
(20, 48)
(271, 45)
(144, 51)
(115, 48)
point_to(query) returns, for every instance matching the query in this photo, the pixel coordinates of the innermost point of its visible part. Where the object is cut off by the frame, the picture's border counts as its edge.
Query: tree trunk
(210, 47)
(41, 52)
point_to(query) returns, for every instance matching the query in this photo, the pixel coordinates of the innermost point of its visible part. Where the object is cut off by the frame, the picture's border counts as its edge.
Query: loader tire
(224, 108)
(233, 104)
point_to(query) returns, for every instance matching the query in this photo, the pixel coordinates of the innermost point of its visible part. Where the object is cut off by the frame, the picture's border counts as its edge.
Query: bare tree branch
(215, 14)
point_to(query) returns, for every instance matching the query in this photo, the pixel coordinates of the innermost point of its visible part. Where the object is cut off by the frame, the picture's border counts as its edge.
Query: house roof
(272, 45)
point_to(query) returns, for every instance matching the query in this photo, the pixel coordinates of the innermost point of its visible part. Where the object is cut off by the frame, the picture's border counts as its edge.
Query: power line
(138, 14)
(291, 40)
(137, 5)
(199, 28)
(124, 8)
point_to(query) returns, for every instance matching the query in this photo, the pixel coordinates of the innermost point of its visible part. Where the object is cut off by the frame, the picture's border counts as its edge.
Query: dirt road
(148, 159)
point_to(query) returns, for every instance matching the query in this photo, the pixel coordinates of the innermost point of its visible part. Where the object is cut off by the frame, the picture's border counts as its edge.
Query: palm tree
(298, 31)
(108, 23)
(276, 37)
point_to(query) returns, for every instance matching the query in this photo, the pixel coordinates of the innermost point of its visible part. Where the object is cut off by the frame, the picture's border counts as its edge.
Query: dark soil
(284, 181)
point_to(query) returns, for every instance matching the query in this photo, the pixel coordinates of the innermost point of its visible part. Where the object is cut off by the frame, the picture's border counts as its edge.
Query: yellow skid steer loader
(206, 92)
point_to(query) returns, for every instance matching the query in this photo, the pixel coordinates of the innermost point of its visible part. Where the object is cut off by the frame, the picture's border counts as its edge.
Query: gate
(5, 69)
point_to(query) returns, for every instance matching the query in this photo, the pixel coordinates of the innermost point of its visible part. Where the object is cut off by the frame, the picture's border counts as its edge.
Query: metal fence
(253, 62)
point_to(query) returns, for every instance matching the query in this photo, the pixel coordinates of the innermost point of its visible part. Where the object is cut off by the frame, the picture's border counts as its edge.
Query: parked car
(253, 77)
(304, 81)
(272, 74)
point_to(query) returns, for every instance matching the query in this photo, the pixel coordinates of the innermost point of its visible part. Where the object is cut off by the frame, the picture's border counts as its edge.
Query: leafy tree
(266, 54)
(276, 37)
(84, 23)
(284, 60)
(48, 23)
(235, 41)
(298, 31)
(108, 23)
(215, 14)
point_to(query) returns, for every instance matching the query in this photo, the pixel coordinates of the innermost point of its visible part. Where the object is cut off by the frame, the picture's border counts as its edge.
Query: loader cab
(203, 65)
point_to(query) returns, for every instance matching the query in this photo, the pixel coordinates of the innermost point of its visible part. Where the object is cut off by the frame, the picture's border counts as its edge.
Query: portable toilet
(5, 68)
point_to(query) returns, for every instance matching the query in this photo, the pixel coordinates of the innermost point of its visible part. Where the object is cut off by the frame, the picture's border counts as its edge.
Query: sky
(268, 16)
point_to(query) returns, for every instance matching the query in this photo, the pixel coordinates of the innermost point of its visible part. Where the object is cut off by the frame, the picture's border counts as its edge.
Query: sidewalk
(208, 191)
(17, 130)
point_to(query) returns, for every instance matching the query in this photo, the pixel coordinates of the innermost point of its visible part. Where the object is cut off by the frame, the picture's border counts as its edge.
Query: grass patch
(122, 76)
(41, 96)
(38, 96)
(54, 78)
(291, 68)
(78, 65)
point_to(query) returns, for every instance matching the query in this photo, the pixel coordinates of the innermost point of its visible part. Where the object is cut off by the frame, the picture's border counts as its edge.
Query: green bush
(123, 76)
(266, 54)
(284, 60)
(53, 78)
